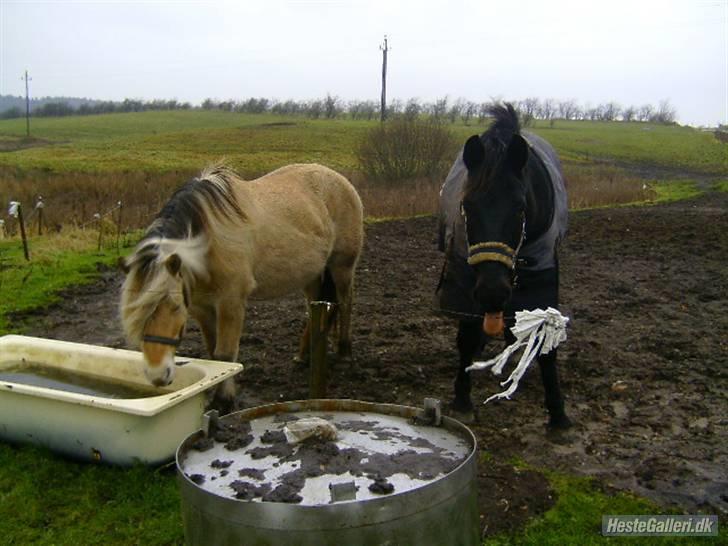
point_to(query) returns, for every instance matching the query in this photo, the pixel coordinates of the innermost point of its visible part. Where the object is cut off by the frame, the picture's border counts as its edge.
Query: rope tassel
(540, 331)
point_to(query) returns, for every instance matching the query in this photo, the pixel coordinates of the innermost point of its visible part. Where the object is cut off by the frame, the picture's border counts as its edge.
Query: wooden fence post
(319, 329)
(118, 229)
(26, 252)
(39, 206)
(98, 223)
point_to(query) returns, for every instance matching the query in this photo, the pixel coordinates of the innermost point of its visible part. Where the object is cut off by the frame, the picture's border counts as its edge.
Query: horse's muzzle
(493, 286)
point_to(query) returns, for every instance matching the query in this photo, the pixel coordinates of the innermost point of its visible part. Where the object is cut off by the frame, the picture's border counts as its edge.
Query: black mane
(495, 142)
(186, 213)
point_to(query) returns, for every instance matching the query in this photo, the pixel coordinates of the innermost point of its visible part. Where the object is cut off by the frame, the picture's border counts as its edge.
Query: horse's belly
(279, 282)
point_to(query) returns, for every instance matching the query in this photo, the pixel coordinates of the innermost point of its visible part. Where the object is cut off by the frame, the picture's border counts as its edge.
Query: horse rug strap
(537, 254)
(540, 331)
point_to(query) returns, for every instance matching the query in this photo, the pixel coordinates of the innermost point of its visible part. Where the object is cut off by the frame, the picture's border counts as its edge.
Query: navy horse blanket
(537, 261)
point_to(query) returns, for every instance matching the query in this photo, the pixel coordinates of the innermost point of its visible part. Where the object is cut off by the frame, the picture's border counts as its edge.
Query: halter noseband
(171, 341)
(494, 251)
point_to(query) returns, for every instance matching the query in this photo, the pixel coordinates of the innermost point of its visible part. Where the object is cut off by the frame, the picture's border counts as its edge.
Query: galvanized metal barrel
(409, 478)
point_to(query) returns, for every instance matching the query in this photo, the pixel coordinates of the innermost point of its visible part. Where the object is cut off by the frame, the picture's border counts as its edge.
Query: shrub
(406, 148)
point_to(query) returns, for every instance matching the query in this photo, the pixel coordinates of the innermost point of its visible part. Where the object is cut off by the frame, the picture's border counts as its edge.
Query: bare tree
(629, 113)
(468, 111)
(456, 109)
(439, 108)
(567, 109)
(609, 111)
(665, 113)
(528, 108)
(547, 109)
(412, 109)
(331, 106)
(645, 112)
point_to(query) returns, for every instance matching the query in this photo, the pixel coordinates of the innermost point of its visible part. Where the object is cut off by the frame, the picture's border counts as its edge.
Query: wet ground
(644, 369)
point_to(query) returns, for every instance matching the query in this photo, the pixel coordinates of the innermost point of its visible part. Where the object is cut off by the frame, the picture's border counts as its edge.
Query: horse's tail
(328, 293)
(328, 288)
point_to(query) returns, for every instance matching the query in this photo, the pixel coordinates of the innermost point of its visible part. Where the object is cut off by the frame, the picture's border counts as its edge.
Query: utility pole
(384, 49)
(27, 104)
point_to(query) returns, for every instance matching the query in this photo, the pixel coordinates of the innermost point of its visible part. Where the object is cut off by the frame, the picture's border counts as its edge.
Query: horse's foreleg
(469, 341)
(207, 317)
(230, 317)
(553, 399)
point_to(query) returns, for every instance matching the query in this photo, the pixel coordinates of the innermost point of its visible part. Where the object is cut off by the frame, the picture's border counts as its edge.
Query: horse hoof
(560, 422)
(298, 361)
(463, 412)
(222, 405)
(466, 417)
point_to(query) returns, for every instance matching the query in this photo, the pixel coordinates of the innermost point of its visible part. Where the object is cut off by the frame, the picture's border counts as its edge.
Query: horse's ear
(517, 154)
(473, 153)
(121, 263)
(174, 264)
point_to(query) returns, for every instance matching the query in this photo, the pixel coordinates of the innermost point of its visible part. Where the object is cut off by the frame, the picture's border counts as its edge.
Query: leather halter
(171, 341)
(494, 251)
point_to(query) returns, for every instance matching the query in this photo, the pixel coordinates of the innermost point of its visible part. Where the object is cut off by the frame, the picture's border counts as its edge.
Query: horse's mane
(181, 227)
(495, 142)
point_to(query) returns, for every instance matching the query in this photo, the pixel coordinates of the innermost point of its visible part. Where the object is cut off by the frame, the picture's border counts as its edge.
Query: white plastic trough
(115, 431)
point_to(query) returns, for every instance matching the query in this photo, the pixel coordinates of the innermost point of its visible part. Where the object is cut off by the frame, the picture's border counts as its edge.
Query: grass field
(83, 165)
(257, 143)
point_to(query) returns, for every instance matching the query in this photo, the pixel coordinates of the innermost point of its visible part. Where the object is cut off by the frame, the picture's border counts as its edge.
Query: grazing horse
(221, 240)
(503, 212)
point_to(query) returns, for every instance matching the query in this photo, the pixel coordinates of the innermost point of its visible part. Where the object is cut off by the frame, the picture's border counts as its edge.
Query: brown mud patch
(644, 371)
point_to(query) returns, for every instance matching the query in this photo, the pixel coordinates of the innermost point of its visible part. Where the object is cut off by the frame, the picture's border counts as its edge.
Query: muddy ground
(644, 369)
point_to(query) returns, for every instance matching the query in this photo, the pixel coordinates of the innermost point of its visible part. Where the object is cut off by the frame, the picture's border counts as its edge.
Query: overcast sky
(632, 52)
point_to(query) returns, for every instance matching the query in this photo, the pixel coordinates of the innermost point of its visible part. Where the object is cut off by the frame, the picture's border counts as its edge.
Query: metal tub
(439, 511)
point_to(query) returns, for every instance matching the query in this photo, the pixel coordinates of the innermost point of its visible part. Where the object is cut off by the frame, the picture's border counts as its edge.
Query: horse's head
(494, 206)
(154, 311)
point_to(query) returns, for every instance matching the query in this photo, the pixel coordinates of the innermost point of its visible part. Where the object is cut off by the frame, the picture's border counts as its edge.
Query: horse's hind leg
(343, 277)
(554, 401)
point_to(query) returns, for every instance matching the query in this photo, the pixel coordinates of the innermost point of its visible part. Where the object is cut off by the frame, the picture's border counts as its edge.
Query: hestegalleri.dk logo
(633, 525)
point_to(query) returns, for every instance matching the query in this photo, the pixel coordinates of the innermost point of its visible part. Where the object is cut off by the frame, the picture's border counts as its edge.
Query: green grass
(676, 191)
(667, 146)
(257, 143)
(31, 285)
(182, 141)
(576, 517)
(45, 499)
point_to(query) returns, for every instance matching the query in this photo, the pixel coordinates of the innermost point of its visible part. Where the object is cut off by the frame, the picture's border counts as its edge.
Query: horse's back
(312, 216)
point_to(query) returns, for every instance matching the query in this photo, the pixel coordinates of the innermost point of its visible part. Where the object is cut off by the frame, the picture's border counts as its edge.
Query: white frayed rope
(540, 331)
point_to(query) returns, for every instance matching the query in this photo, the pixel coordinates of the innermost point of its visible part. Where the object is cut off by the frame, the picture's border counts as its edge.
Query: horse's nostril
(159, 382)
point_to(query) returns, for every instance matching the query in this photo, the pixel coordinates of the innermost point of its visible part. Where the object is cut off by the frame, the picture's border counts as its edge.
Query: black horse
(503, 213)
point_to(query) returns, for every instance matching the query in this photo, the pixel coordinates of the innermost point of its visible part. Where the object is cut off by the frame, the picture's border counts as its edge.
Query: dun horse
(503, 212)
(220, 241)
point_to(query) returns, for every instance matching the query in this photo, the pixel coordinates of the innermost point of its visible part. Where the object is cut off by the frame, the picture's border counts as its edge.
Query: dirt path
(644, 368)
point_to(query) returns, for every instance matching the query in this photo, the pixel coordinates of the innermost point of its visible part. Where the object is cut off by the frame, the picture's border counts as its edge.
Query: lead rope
(540, 331)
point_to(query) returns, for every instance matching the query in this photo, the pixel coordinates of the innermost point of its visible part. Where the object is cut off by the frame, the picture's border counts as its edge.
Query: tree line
(331, 107)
